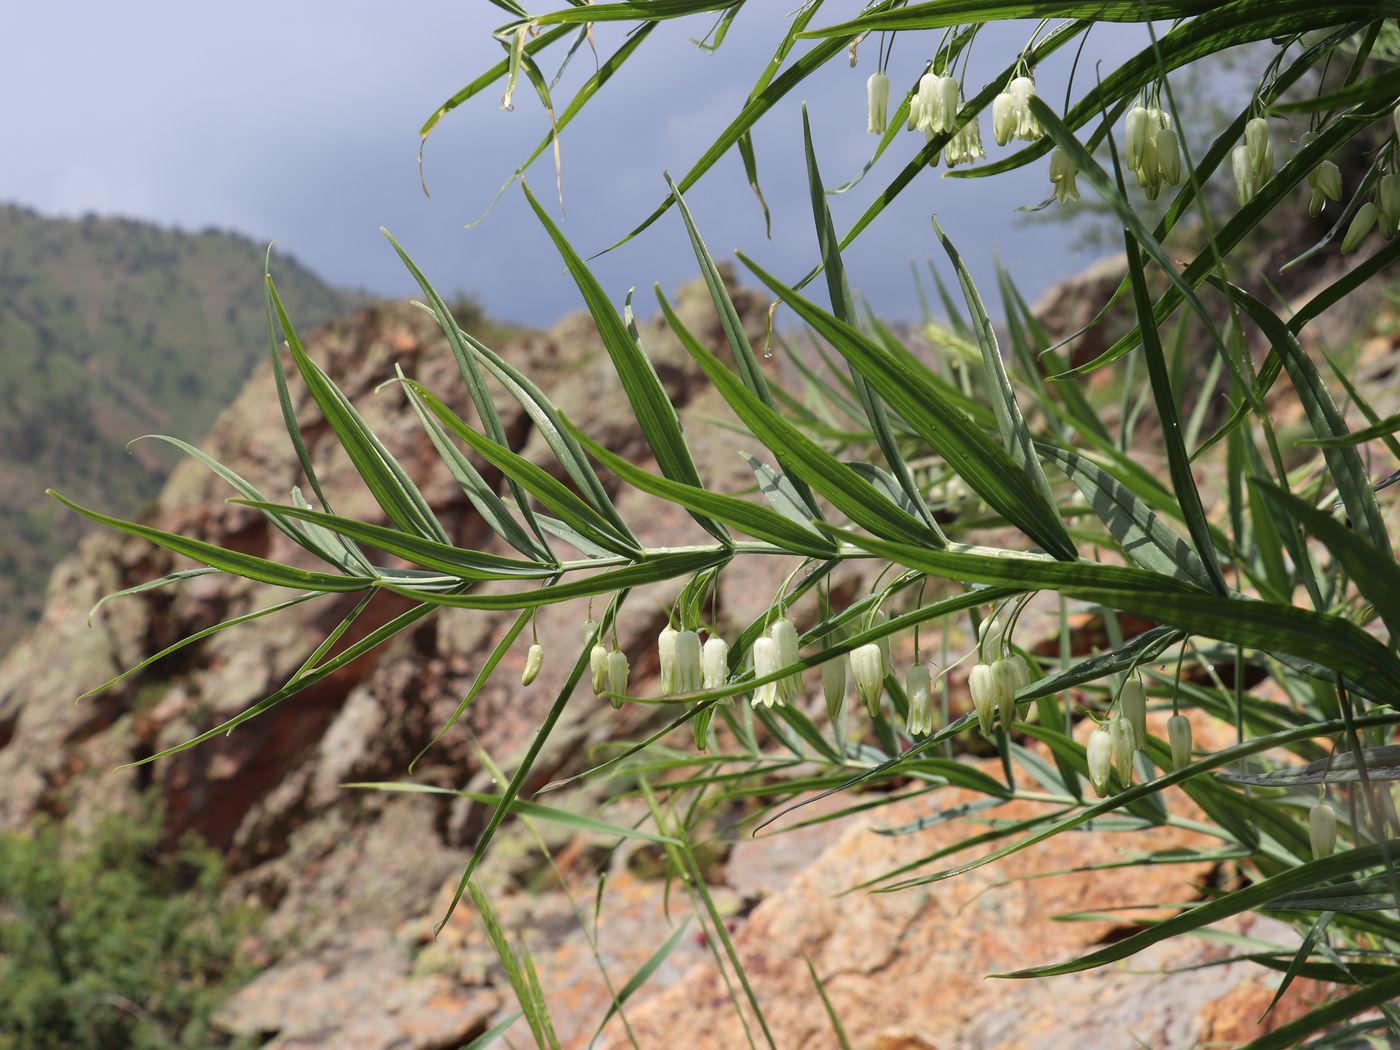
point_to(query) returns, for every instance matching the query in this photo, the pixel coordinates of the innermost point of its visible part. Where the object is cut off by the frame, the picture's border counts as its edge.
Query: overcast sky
(298, 122)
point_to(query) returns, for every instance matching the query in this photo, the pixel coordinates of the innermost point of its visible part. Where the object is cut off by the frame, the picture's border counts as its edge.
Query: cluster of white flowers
(1153, 150)
(1011, 113)
(775, 650)
(1324, 182)
(1112, 745)
(1383, 211)
(1253, 160)
(994, 685)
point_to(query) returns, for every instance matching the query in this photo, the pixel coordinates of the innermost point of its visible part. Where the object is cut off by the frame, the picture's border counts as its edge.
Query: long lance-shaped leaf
(1015, 435)
(1285, 1037)
(1130, 521)
(1178, 462)
(846, 490)
(652, 569)
(744, 357)
(1382, 428)
(553, 493)
(1380, 90)
(1254, 896)
(1344, 463)
(651, 405)
(941, 14)
(843, 307)
(466, 364)
(149, 585)
(512, 789)
(387, 481)
(576, 821)
(1326, 639)
(1376, 576)
(351, 653)
(478, 491)
(1104, 185)
(630, 11)
(462, 562)
(547, 422)
(978, 460)
(249, 566)
(756, 521)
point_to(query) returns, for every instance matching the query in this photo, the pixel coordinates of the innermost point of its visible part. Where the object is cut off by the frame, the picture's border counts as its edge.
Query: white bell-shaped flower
(1260, 148)
(714, 662)
(877, 95)
(919, 685)
(1099, 755)
(930, 108)
(986, 696)
(1028, 128)
(1322, 830)
(835, 682)
(1063, 174)
(1006, 675)
(785, 635)
(1006, 117)
(868, 669)
(966, 145)
(947, 117)
(1132, 703)
(1388, 201)
(598, 669)
(1122, 735)
(534, 660)
(1179, 737)
(1140, 121)
(617, 674)
(1243, 170)
(1361, 225)
(1168, 150)
(765, 662)
(688, 678)
(666, 651)
(915, 113)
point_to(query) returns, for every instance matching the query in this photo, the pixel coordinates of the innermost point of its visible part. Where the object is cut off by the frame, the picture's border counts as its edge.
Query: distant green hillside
(109, 329)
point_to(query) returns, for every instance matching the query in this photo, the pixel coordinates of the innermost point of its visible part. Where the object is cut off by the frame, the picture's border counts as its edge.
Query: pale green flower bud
(617, 674)
(715, 662)
(986, 696)
(1121, 734)
(1326, 179)
(919, 686)
(666, 650)
(588, 628)
(785, 635)
(834, 685)
(877, 94)
(868, 669)
(1062, 176)
(1132, 704)
(1099, 753)
(688, 676)
(1179, 736)
(1006, 117)
(765, 662)
(534, 659)
(1322, 830)
(1023, 671)
(1244, 174)
(1361, 225)
(1140, 122)
(1007, 679)
(598, 668)
(1168, 151)
(1260, 148)
(1388, 200)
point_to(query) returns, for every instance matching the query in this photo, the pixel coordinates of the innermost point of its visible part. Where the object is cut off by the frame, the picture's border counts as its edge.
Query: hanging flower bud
(666, 650)
(868, 669)
(765, 662)
(1028, 129)
(1121, 734)
(1006, 676)
(588, 628)
(534, 659)
(878, 619)
(1062, 177)
(1179, 736)
(1022, 669)
(598, 668)
(785, 635)
(617, 674)
(1361, 225)
(715, 662)
(1006, 117)
(1099, 753)
(989, 633)
(1132, 704)
(687, 678)
(1244, 174)
(919, 685)
(1325, 182)
(986, 696)
(877, 94)
(930, 111)
(947, 117)
(1168, 150)
(1322, 830)
(1388, 200)
(1260, 149)
(834, 683)
(1140, 121)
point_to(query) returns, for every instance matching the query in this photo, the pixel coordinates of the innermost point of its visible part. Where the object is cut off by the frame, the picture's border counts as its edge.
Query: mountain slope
(110, 329)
